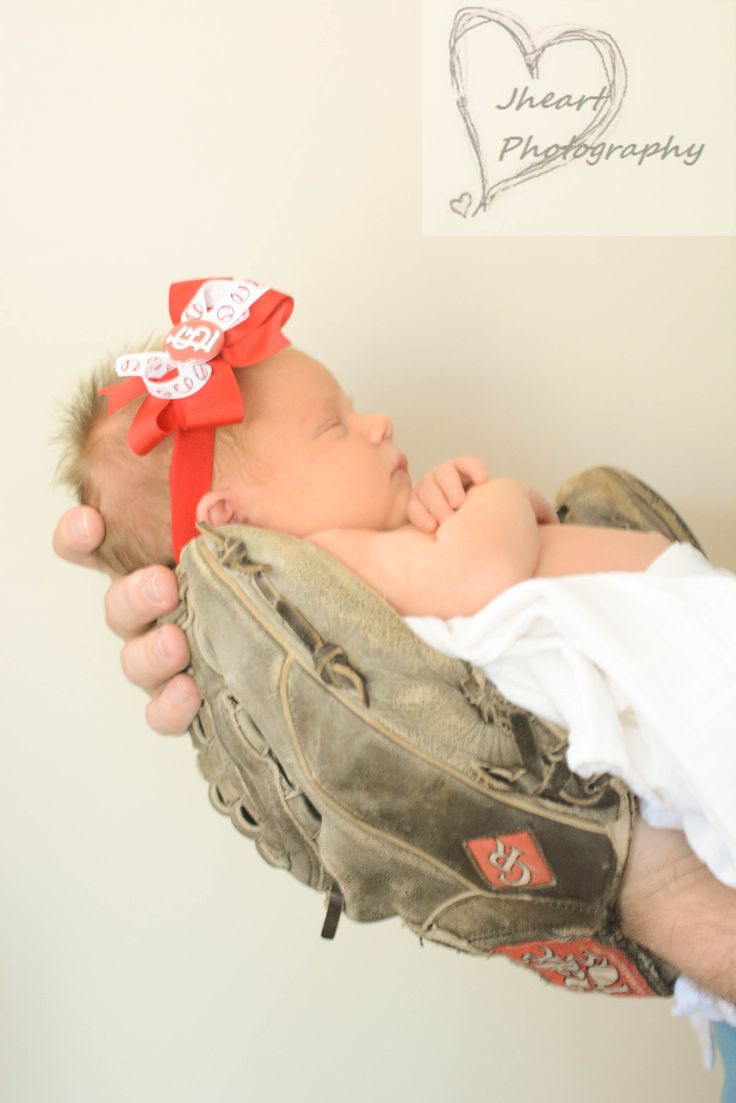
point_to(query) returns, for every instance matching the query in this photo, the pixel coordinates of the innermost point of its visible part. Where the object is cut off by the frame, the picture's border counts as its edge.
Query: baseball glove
(398, 780)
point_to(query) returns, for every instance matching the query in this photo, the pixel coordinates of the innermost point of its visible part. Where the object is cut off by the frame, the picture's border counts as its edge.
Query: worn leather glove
(398, 780)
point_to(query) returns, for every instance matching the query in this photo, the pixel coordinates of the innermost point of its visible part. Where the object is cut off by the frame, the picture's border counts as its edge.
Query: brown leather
(362, 760)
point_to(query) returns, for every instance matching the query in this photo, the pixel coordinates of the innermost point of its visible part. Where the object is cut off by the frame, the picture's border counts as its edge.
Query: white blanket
(640, 668)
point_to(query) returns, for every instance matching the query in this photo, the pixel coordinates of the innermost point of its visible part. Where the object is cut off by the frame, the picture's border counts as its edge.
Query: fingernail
(80, 528)
(162, 646)
(180, 693)
(151, 590)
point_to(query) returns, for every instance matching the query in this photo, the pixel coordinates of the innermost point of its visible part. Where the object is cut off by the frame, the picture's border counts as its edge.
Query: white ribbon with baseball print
(218, 306)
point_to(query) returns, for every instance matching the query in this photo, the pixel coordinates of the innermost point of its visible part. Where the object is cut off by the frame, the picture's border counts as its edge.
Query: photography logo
(531, 129)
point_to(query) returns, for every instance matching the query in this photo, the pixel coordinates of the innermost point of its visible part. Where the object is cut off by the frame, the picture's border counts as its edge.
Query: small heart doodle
(461, 205)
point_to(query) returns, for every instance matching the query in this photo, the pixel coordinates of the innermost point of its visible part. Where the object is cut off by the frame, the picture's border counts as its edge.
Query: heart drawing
(609, 55)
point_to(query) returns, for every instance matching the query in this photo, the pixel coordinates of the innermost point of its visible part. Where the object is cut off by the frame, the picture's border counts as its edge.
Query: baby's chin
(402, 517)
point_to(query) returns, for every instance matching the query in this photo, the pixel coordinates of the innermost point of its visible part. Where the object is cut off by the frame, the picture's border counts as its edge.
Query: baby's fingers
(472, 470)
(434, 497)
(419, 515)
(450, 483)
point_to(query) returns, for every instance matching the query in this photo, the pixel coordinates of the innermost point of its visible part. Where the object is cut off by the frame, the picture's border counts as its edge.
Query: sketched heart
(609, 54)
(461, 205)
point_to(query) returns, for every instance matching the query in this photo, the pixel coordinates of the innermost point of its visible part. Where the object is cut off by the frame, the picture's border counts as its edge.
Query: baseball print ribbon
(219, 325)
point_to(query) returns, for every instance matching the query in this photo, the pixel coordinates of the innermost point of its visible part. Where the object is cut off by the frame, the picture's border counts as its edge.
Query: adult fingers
(172, 712)
(151, 659)
(134, 601)
(78, 533)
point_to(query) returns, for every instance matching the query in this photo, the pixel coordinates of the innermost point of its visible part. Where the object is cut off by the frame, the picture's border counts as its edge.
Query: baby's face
(319, 463)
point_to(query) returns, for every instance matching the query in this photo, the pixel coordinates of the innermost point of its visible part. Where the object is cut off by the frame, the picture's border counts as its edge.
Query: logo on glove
(582, 965)
(510, 861)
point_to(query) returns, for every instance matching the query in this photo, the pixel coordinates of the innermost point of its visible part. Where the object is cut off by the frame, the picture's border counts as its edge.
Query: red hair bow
(219, 324)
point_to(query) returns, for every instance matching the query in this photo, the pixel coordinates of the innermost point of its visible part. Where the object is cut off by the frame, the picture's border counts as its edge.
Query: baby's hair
(98, 465)
(131, 492)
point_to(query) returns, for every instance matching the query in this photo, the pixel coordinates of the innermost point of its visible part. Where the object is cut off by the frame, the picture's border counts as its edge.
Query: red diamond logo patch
(510, 861)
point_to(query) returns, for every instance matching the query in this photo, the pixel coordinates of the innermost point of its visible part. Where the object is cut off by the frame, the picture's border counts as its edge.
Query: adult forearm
(671, 903)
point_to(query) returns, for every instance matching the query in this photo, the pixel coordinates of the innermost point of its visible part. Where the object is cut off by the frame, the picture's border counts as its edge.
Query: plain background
(147, 953)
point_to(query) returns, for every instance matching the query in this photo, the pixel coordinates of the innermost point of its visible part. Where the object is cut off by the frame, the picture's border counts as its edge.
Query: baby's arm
(442, 491)
(489, 544)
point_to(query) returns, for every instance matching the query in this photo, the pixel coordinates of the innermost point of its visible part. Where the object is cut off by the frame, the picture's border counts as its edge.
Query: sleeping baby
(624, 638)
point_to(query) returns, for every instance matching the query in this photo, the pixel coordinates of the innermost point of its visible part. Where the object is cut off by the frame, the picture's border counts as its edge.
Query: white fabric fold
(640, 668)
(703, 1010)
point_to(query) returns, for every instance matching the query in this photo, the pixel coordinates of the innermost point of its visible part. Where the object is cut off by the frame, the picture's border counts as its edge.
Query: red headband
(220, 324)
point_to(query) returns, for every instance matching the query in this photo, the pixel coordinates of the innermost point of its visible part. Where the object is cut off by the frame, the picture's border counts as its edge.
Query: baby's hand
(544, 511)
(442, 491)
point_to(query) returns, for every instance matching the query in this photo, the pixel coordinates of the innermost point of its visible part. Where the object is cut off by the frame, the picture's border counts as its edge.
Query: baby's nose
(381, 427)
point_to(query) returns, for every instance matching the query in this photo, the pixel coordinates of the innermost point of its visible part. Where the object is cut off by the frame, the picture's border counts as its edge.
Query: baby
(468, 560)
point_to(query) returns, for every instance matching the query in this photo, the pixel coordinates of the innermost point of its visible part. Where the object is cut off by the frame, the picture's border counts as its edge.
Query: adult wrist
(670, 903)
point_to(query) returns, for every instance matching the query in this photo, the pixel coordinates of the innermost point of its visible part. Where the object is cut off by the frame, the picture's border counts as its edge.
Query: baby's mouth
(402, 463)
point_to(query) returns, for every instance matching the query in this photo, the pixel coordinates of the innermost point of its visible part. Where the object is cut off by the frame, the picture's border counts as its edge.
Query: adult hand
(151, 657)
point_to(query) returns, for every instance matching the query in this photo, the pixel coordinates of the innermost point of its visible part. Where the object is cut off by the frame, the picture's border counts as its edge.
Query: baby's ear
(217, 508)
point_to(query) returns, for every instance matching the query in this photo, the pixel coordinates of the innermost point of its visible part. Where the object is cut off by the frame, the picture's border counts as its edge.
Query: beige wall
(147, 953)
